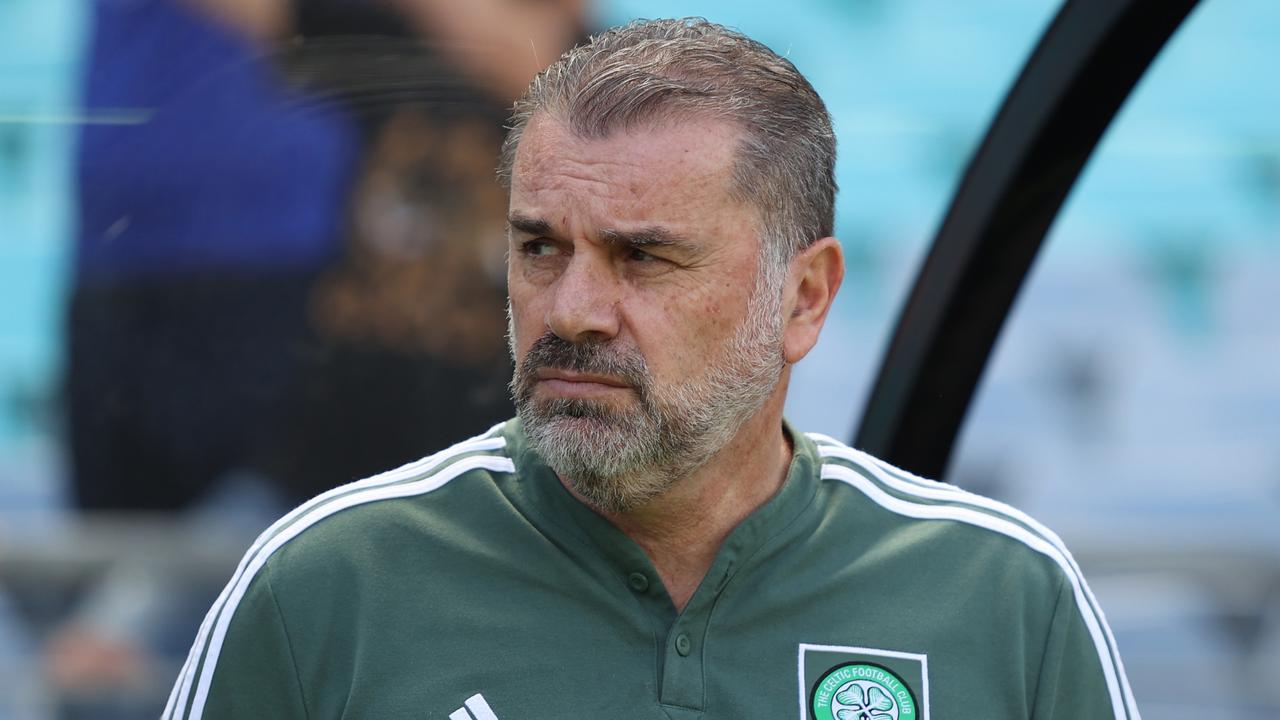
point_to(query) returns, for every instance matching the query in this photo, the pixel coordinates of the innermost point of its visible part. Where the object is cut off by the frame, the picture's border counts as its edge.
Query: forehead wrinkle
(549, 162)
(557, 153)
(639, 187)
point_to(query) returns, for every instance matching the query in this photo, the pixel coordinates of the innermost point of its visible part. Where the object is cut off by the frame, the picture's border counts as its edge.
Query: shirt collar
(538, 492)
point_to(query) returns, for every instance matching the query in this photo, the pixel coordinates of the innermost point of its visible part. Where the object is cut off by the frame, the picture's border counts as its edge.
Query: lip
(576, 384)
(570, 376)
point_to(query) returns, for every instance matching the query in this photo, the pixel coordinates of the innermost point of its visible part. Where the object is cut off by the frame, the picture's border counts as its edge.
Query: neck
(682, 530)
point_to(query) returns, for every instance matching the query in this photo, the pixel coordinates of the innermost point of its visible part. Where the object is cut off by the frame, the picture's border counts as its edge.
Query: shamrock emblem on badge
(864, 702)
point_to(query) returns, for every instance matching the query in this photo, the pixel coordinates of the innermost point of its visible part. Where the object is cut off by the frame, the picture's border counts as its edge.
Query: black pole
(1074, 83)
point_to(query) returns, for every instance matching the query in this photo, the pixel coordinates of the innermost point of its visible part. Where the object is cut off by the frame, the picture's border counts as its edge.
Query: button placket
(682, 672)
(683, 644)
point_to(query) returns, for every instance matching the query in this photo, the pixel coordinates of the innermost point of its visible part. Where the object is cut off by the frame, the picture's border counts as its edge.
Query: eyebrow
(644, 237)
(647, 237)
(528, 225)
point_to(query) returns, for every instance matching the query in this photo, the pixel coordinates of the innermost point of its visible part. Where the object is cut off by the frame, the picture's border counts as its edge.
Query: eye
(641, 263)
(638, 255)
(537, 248)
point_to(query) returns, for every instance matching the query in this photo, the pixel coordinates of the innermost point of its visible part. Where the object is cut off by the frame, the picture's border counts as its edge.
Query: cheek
(713, 309)
(525, 320)
(689, 329)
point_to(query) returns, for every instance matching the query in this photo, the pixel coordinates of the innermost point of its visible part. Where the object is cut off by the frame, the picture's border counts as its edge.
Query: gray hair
(654, 70)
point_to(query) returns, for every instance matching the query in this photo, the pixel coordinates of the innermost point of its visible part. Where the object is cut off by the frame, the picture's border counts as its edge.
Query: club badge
(848, 683)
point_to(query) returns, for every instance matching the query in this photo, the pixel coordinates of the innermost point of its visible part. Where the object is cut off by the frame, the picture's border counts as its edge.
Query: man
(649, 539)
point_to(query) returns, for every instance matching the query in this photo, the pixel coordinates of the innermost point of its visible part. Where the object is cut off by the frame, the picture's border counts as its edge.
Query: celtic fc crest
(844, 683)
(862, 691)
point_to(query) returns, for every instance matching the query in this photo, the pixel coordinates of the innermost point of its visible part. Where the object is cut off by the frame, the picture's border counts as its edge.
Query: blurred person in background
(205, 216)
(204, 220)
(275, 254)
(408, 351)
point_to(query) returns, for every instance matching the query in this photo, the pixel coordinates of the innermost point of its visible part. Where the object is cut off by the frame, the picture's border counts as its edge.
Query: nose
(585, 305)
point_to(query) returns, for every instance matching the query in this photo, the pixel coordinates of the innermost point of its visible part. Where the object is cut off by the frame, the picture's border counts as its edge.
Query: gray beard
(620, 458)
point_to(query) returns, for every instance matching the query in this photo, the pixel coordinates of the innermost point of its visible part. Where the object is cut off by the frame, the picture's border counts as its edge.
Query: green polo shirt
(472, 586)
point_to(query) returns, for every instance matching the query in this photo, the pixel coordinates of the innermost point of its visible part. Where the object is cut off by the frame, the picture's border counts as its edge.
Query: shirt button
(638, 582)
(683, 645)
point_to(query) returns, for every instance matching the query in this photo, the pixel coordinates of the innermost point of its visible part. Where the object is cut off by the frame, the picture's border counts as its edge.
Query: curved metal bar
(1076, 80)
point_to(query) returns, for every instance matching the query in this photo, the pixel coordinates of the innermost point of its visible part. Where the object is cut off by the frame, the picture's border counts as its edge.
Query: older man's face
(640, 339)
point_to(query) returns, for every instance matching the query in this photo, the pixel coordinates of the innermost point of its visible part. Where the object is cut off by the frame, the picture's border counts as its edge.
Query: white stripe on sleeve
(889, 475)
(175, 708)
(1009, 529)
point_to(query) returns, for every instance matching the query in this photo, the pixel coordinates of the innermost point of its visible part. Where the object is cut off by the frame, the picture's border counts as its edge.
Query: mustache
(601, 358)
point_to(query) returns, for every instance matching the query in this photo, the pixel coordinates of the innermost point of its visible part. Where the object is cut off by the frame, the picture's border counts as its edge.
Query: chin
(599, 412)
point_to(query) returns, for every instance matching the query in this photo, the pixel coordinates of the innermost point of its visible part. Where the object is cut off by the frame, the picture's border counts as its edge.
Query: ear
(814, 278)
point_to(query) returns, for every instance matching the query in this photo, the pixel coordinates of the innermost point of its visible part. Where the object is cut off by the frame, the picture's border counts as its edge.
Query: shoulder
(943, 516)
(992, 551)
(356, 517)
(327, 554)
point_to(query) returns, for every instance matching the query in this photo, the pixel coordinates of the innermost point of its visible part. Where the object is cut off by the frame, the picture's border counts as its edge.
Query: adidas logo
(475, 708)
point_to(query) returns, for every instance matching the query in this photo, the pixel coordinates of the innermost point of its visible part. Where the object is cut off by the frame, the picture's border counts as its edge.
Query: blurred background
(252, 249)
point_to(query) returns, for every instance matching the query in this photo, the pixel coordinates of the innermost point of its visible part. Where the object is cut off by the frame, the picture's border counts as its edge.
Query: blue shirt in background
(212, 164)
